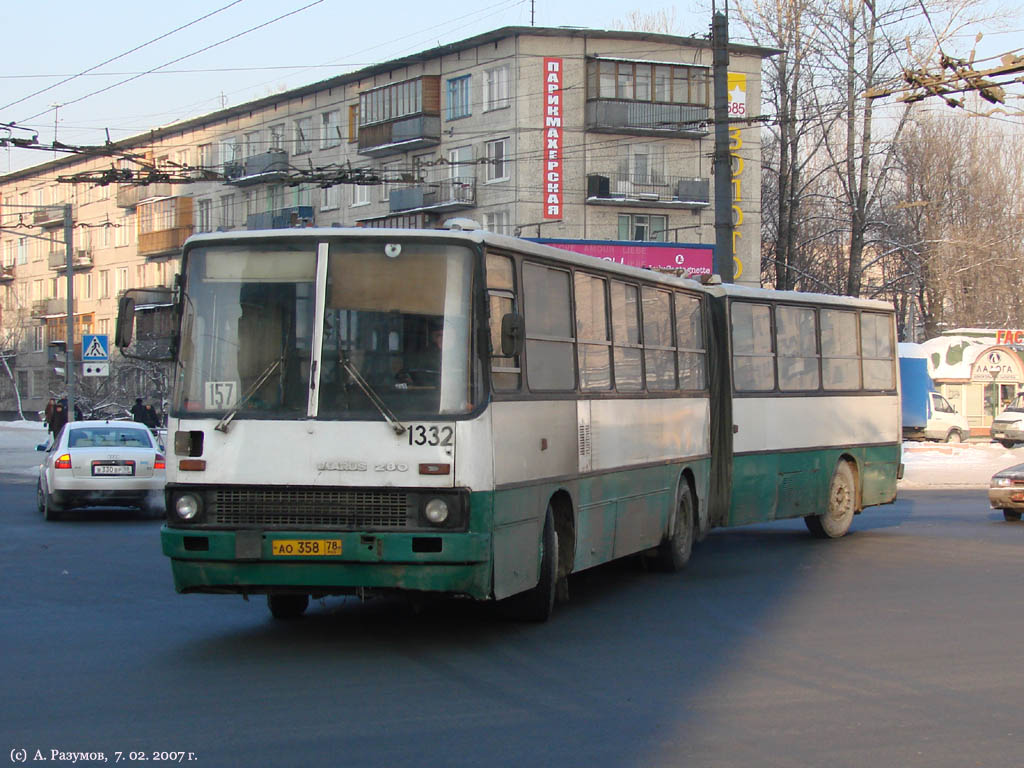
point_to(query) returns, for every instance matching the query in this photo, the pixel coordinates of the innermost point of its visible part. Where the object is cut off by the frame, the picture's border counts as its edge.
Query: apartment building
(554, 133)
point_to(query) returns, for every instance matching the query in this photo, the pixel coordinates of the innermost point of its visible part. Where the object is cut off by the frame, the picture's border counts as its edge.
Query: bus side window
(690, 338)
(549, 332)
(877, 351)
(501, 300)
(626, 337)
(840, 361)
(593, 349)
(753, 367)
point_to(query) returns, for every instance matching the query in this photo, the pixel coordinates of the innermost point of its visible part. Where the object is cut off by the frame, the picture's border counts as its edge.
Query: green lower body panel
(773, 486)
(243, 562)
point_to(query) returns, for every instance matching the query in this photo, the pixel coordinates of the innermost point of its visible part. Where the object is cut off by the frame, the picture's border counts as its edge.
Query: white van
(943, 423)
(1008, 426)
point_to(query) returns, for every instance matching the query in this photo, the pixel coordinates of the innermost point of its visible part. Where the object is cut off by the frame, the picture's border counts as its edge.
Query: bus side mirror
(513, 331)
(125, 322)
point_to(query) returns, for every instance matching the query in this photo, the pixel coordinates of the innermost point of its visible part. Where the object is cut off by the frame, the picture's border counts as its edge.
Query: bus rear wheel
(842, 503)
(1011, 515)
(674, 552)
(537, 604)
(287, 606)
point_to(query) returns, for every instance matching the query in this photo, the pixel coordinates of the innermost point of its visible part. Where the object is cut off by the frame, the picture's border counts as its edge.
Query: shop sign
(1015, 338)
(996, 365)
(552, 179)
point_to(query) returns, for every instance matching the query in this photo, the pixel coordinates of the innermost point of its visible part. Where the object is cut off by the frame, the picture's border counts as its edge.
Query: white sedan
(102, 463)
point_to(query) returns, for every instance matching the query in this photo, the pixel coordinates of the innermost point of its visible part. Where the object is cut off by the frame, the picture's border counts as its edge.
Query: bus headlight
(186, 506)
(436, 511)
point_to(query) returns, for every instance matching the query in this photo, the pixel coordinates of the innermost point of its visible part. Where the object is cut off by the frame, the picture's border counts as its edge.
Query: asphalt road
(895, 646)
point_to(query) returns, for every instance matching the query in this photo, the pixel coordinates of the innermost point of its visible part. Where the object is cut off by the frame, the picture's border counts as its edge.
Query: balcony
(163, 243)
(412, 133)
(82, 259)
(49, 307)
(52, 216)
(648, 191)
(645, 118)
(446, 195)
(283, 218)
(264, 167)
(130, 195)
(164, 226)
(7, 274)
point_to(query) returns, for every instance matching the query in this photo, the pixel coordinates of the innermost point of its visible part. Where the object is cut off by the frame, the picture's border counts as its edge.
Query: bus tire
(835, 521)
(287, 606)
(954, 436)
(1011, 515)
(674, 552)
(537, 604)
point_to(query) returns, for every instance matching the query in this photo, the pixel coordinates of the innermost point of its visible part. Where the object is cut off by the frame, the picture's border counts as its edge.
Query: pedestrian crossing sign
(95, 346)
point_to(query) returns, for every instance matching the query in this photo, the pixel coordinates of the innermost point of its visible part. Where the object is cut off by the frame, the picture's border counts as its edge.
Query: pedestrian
(139, 411)
(48, 412)
(58, 420)
(152, 420)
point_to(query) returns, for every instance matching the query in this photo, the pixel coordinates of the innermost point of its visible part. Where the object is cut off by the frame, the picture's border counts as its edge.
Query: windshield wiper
(372, 395)
(223, 424)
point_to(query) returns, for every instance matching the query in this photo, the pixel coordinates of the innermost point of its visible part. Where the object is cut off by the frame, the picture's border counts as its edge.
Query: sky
(202, 55)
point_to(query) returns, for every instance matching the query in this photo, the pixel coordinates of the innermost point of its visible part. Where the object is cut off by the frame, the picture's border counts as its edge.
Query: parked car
(101, 463)
(1008, 426)
(1006, 491)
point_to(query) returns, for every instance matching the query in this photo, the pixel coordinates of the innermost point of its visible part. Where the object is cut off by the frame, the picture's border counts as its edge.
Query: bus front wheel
(287, 606)
(674, 552)
(537, 604)
(842, 503)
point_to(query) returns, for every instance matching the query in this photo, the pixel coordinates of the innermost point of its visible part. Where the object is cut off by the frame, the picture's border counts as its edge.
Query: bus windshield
(395, 331)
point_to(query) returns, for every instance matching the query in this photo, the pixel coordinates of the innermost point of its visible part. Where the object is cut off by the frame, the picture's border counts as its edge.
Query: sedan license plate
(113, 469)
(305, 547)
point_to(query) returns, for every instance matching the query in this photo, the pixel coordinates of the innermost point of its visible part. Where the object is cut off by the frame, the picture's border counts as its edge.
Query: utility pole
(723, 262)
(69, 347)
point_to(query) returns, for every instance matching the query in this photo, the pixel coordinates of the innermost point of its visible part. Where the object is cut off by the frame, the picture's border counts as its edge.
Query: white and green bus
(463, 413)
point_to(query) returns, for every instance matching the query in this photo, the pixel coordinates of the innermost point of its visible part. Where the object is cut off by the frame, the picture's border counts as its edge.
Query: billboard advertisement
(694, 258)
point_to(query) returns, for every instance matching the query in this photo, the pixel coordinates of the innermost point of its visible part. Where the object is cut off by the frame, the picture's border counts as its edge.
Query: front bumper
(241, 562)
(1008, 497)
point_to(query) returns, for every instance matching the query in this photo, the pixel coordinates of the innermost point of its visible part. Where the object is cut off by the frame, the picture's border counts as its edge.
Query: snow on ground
(927, 465)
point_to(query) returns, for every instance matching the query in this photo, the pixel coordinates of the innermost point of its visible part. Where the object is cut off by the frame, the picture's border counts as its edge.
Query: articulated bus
(457, 412)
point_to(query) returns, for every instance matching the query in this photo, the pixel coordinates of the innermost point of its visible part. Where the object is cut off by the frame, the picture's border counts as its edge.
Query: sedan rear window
(109, 437)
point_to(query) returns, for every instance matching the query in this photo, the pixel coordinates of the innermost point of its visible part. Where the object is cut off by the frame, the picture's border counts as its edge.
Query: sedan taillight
(159, 462)
(63, 462)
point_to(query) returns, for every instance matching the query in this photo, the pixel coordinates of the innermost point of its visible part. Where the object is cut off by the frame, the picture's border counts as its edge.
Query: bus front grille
(312, 508)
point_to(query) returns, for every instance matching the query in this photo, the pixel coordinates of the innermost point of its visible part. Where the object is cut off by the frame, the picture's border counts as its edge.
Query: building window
(638, 226)
(277, 137)
(330, 129)
(125, 230)
(251, 144)
(391, 102)
(104, 283)
(330, 198)
(498, 221)
(353, 123)
(303, 135)
(229, 150)
(23, 250)
(204, 221)
(458, 97)
(87, 285)
(206, 158)
(642, 81)
(496, 88)
(38, 338)
(9, 253)
(360, 194)
(122, 279)
(227, 211)
(497, 164)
